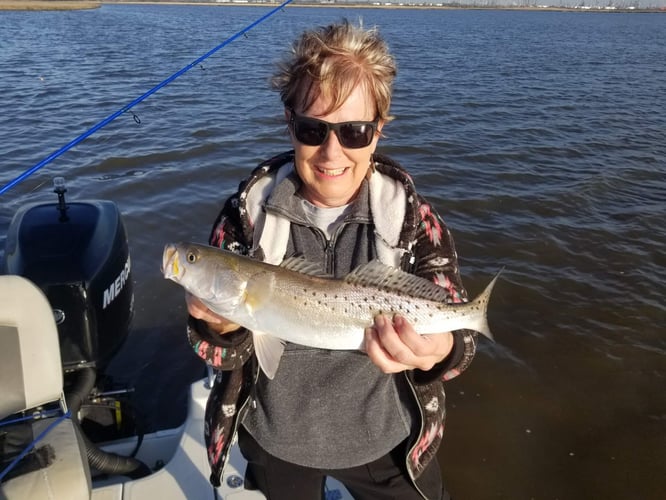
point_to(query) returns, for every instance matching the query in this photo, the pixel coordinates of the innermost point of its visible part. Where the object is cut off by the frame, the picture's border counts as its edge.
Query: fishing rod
(136, 101)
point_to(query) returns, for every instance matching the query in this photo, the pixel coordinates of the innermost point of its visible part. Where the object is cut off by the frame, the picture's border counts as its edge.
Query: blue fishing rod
(136, 101)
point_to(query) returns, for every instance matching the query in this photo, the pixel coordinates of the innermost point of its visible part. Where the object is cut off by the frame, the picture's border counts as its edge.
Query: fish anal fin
(269, 350)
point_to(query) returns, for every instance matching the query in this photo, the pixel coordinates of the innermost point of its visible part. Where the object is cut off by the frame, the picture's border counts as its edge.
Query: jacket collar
(387, 199)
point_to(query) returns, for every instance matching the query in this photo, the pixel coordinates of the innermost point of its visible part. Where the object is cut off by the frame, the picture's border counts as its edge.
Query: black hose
(103, 461)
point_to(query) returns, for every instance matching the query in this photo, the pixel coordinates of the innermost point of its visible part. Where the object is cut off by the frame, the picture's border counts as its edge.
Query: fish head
(210, 274)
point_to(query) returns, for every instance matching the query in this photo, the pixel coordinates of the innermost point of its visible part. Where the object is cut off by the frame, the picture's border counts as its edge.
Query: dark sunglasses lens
(357, 135)
(310, 132)
(313, 132)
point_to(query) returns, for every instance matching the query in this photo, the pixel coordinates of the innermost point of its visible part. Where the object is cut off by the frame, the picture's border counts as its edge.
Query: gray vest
(328, 409)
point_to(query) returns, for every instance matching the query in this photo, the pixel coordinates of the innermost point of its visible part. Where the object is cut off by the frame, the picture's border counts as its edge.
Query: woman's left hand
(394, 346)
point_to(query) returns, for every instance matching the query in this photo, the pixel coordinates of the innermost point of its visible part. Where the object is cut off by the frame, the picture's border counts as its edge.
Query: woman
(373, 419)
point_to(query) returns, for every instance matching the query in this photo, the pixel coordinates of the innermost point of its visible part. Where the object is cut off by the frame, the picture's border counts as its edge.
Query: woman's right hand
(198, 309)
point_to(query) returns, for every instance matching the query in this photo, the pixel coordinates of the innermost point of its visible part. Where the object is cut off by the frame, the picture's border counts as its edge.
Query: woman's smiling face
(332, 174)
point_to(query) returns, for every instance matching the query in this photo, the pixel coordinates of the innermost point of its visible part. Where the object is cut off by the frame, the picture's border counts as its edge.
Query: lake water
(539, 136)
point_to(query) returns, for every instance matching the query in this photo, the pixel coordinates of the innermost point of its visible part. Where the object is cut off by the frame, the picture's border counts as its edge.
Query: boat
(66, 304)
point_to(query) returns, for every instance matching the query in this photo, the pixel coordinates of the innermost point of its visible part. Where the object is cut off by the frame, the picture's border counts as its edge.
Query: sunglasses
(313, 132)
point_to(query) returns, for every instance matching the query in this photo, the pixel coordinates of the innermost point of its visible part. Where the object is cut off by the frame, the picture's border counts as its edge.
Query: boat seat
(31, 377)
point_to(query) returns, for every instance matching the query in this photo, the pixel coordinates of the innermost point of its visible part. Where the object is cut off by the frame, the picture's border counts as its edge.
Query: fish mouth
(170, 267)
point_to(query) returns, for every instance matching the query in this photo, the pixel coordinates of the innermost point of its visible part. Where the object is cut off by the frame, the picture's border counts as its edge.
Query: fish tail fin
(481, 303)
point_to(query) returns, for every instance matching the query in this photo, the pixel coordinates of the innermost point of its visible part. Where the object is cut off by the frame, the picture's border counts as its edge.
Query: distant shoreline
(94, 4)
(366, 5)
(49, 4)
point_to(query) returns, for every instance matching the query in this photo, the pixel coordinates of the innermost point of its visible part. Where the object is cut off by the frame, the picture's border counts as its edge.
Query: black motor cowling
(78, 254)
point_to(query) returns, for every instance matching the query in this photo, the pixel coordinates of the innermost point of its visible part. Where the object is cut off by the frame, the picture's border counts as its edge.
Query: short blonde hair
(331, 61)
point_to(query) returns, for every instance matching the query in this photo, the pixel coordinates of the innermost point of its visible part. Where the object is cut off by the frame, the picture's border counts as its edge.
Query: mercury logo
(117, 286)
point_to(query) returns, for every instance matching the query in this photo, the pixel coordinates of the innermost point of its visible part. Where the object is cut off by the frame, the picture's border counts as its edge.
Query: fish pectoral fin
(269, 350)
(258, 292)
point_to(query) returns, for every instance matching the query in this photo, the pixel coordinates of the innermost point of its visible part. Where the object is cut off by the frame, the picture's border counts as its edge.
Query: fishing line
(136, 101)
(34, 442)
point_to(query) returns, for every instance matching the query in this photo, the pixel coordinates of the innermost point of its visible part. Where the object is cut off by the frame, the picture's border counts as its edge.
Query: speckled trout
(293, 302)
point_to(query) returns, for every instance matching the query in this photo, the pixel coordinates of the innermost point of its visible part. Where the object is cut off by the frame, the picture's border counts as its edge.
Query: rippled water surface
(539, 136)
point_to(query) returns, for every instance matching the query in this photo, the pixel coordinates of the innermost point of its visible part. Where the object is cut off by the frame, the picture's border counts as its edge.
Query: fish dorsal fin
(375, 274)
(269, 350)
(302, 265)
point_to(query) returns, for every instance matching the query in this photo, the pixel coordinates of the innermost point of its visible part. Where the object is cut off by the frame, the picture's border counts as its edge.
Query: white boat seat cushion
(30, 366)
(30, 376)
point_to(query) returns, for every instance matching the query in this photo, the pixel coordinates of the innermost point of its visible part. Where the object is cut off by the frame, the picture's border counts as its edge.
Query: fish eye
(191, 257)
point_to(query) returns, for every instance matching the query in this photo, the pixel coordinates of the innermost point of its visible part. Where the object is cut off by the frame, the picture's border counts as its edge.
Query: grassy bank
(48, 4)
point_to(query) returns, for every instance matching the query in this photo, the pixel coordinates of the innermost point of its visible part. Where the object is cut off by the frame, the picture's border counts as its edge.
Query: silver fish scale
(356, 301)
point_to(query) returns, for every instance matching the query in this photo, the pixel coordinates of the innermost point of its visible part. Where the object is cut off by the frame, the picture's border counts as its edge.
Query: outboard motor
(78, 254)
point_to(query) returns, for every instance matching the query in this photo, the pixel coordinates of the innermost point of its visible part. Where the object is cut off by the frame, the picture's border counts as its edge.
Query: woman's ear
(380, 126)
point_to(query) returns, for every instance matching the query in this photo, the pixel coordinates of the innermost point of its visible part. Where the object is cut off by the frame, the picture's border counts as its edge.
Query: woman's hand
(198, 309)
(394, 346)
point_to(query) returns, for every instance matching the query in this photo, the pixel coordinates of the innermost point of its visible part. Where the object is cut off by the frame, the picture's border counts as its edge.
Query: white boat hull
(185, 475)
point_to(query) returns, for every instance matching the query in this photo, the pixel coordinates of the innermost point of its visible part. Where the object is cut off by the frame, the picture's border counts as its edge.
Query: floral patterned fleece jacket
(421, 245)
